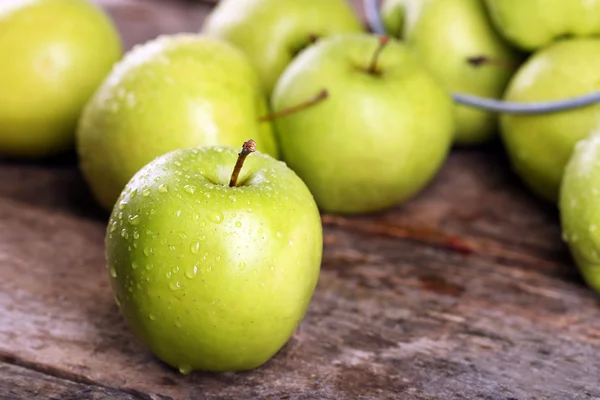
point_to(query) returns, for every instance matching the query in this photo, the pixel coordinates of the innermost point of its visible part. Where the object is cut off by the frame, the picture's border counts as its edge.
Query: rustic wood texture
(465, 292)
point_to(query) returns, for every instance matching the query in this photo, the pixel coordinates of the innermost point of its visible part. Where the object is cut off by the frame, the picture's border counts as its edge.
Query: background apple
(272, 32)
(175, 91)
(380, 135)
(540, 145)
(446, 35)
(47, 73)
(580, 208)
(213, 277)
(533, 24)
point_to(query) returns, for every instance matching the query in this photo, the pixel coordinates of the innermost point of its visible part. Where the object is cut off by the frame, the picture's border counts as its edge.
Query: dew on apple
(191, 271)
(134, 265)
(113, 272)
(174, 285)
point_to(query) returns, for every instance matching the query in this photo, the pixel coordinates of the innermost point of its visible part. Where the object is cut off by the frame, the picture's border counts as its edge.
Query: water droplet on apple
(133, 193)
(134, 265)
(291, 243)
(185, 369)
(148, 251)
(122, 205)
(218, 258)
(175, 269)
(238, 224)
(113, 272)
(191, 271)
(151, 317)
(124, 234)
(149, 266)
(113, 226)
(249, 210)
(209, 269)
(146, 192)
(163, 188)
(120, 215)
(182, 235)
(178, 324)
(195, 247)
(242, 266)
(190, 189)
(202, 238)
(171, 247)
(136, 235)
(168, 274)
(174, 285)
(216, 217)
(118, 301)
(279, 234)
(592, 228)
(202, 223)
(178, 213)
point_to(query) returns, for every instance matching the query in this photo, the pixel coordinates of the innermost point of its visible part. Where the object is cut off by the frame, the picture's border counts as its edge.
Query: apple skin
(47, 74)
(444, 34)
(377, 139)
(579, 205)
(534, 24)
(271, 32)
(210, 277)
(173, 92)
(539, 146)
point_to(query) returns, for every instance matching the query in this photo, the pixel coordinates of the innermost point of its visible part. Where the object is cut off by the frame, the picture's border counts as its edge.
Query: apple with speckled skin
(47, 73)
(540, 145)
(273, 32)
(579, 205)
(214, 269)
(172, 92)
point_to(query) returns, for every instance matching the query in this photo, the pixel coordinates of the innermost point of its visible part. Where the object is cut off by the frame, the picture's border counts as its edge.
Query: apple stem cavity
(478, 61)
(247, 148)
(383, 41)
(322, 95)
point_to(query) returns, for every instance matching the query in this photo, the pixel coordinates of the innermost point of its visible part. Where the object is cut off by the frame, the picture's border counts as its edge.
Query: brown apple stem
(247, 148)
(478, 61)
(322, 95)
(383, 40)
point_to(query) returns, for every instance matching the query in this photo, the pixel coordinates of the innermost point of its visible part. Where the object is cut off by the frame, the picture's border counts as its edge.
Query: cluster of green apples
(214, 250)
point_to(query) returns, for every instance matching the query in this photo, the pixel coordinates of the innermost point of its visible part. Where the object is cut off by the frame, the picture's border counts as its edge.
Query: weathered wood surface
(465, 292)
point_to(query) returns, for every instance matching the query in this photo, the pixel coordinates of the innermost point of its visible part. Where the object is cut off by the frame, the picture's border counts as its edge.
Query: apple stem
(383, 40)
(247, 148)
(478, 61)
(322, 95)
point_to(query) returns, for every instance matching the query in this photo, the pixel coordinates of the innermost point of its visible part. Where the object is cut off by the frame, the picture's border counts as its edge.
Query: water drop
(174, 285)
(134, 265)
(118, 301)
(113, 226)
(146, 192)
(209, 269)
(190, 189)
(122, 205)
(134, 219)
(191, 271)
(238, 224)
(182, 235)
(133, 193)
(113, 272)
(593, 228)
(195, 247)
(291, 243)
(148, 251)
(279, 234)
(124, 233)
(151, 317)
(136, 235)
(216, 217)
(178, 324)
(242, 266)
(175, 269)
(185, 369)
(218, 258)
(168, 274)
(163, 188)
(149, 266)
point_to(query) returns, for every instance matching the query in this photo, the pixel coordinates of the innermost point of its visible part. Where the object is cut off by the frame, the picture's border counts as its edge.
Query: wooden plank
(465, 292)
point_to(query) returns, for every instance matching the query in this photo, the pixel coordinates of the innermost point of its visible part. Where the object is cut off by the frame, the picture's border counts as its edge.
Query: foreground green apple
(379, 135)
(579, 206)
(540, 145)
(533, 24)
(48, 73)
(447, 36)
(211, 276)
(173, 92)
(272, 32)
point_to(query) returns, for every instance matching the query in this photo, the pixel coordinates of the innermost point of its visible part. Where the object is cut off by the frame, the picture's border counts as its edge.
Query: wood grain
(467, 291)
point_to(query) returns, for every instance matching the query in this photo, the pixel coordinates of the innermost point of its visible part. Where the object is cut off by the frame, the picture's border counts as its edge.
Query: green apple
(48, 73)
(579, 205)
(381, 133)
(272, 32)
(173, 92)
(539, 145)
(446, 35)
(209, 275)
(533, 24)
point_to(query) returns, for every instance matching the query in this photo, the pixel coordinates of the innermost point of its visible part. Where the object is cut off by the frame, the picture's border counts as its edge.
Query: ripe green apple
(381, 133)
(533, 24)
(272, 32)
(540, 145)
(211, 276)
(446, 35)
(579, 205)
(48, 73)
(172, 92)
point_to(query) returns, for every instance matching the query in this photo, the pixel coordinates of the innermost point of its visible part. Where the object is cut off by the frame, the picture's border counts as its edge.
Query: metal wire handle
(375, 23)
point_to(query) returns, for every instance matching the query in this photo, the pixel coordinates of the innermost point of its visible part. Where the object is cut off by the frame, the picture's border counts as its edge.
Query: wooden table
(465, 292)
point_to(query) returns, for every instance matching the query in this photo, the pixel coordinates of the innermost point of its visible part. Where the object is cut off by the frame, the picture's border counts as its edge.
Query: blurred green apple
(540, 145)
(54, 53)
(579, 205)
(447, 35)
(209, 275)
(172, 92)
(533, 24)
(381, 133)
(272, 32)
